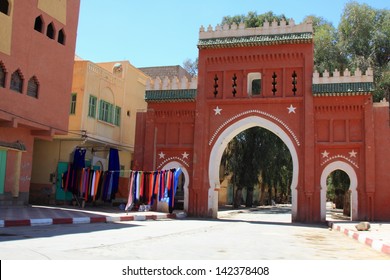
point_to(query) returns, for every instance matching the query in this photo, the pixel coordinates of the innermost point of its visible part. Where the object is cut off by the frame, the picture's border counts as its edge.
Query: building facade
(104, 101)
(37, 47)
(264, 77)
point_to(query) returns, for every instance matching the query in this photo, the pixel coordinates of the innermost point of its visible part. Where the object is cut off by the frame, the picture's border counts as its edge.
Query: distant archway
(353, 186)
(221, 143)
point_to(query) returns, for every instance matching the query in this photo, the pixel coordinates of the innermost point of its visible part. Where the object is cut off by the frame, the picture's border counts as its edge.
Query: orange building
(264, 77)
(37, 48)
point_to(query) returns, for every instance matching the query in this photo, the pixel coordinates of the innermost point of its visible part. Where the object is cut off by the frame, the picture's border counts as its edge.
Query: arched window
(3, 75)
(50, 32)
(32, 87)
(61, 37)
(254, 83)
(4, 7)
(38, 25)
(17, 81)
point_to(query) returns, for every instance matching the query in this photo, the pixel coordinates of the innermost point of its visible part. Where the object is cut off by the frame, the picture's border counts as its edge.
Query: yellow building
(102, 116)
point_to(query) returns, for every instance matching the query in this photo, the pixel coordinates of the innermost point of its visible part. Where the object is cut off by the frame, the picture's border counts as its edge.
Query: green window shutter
(101, 110)
(3, 165)
(92, 106)
(117, 120)
(110, 113)
(73, 104)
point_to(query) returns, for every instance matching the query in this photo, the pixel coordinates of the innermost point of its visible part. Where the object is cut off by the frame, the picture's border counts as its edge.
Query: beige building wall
(6, 30)
(134, 96)
(118, 83)
(55, 8)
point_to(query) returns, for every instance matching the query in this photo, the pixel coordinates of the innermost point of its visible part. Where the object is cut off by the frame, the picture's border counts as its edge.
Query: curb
(362, 238)
(86, 220)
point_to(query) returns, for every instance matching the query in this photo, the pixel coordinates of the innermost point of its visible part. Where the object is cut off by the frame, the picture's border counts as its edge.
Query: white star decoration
(161, 154)
(325, 154)
(291, 109)
(185, 155)
(352, 154)
(217, 110)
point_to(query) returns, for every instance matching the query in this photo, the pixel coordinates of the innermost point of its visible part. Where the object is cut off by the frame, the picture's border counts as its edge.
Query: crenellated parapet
(347, 77)
(268, 28)
(346, 84)
(171, 83)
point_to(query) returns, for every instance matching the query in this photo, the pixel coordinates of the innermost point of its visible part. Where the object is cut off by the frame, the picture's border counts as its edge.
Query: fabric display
(89, 184)
(148, 186)
(145, 187)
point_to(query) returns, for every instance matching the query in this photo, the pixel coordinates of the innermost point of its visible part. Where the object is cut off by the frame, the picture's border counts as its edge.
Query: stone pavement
(378, 237)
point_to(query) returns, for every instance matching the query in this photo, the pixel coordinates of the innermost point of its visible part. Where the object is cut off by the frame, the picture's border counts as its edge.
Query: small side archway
(176, 164)
(223, 140)
(347, 168)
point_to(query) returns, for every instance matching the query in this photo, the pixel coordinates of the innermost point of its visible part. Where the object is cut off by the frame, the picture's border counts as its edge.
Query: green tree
(364, 39)
(338, 184)
(242, 159)
(257, 156)
(327, 54)
(252, 19)
(191, 66)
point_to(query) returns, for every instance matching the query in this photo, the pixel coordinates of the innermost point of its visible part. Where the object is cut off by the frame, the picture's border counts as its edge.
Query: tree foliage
(191, 66)
(252, 19)
(256, 156)
(338, 183)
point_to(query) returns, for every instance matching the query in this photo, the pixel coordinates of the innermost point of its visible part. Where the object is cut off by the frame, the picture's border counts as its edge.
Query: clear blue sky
(156, 32)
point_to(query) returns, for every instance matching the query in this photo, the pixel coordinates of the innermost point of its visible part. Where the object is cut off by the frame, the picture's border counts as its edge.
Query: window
(61, 37)
(254, 84)
(117, 117)
(4, 7)
(109, 113)
(105, 111)
(92, 106)
(38, 25)
(50, 32)
(32, 87)
(17, 81)
(73, 104)
(2, 75)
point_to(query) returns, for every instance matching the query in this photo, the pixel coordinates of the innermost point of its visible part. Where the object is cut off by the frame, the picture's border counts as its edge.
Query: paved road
(264, 235)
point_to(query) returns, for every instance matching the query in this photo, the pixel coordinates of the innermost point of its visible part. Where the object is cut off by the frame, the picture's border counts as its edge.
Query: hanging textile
(131, 195)
(113, 165)
(79, 158)
(145, 187)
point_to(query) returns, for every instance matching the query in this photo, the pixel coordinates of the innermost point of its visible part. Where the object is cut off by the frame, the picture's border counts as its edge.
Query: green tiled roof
(342, 88)
(171, 95)
(256, 40)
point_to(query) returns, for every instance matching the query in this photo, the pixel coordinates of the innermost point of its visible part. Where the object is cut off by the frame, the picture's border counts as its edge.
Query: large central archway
(221, 143)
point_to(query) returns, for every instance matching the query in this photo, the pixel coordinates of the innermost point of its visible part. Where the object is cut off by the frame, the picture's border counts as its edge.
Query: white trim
(222, 141)
(347, 168)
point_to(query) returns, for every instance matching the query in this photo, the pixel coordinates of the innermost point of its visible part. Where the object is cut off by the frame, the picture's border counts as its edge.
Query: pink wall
(382, 164)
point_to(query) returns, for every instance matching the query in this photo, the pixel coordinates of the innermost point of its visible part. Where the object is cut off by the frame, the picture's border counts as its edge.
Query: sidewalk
(377, 237)
(48, 215)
